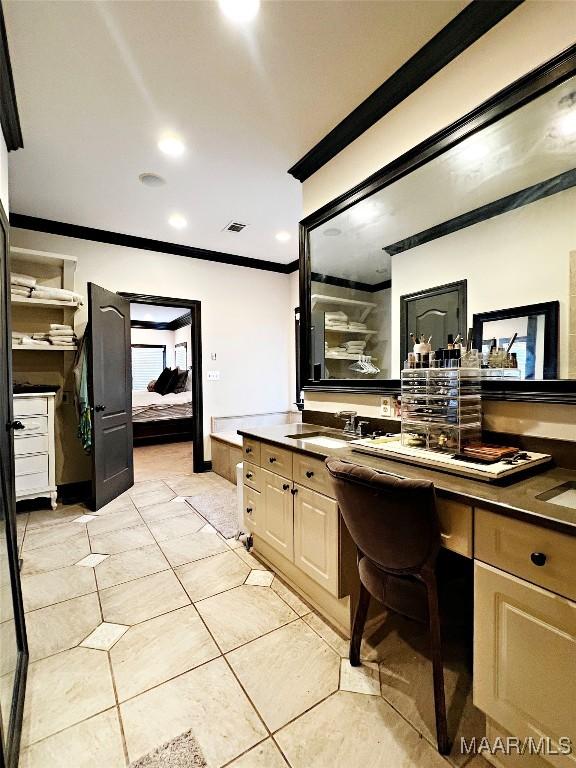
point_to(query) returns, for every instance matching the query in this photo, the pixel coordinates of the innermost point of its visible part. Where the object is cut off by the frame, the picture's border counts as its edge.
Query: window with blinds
(148, 362)
(181, 356)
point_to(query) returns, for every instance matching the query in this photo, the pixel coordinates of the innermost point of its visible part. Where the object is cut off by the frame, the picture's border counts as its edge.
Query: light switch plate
(386, 406)
(213, 375)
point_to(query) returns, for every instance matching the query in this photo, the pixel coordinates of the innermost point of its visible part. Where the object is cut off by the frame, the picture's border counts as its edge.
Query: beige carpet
(181, 752)
(219, 507)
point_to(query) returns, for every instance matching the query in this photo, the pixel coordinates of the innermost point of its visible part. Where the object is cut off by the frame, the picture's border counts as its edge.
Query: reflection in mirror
(495, 210)
(8, 640)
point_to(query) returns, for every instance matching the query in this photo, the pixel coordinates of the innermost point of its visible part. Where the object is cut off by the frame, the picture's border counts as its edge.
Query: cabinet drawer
(277, 460)
(30, 406)
(251, 450)
(30, 465)
(30, 483)
(252, 510)
(316, 537)
(30, 444)
(252, 476)
(513, 545)
(36, 424)
(312, 473)
(456, 526)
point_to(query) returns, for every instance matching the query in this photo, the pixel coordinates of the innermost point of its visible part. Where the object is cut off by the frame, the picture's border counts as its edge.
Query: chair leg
(360, 615)
(437, 668)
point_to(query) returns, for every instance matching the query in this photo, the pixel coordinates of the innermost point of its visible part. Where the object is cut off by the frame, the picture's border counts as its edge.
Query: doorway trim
(459, 285)
(195, 308)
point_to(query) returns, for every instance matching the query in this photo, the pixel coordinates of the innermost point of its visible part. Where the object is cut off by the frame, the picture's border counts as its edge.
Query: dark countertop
(515, 498)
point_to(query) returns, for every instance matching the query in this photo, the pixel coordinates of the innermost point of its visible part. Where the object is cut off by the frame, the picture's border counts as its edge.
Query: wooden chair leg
(360, 615)
(437, 667)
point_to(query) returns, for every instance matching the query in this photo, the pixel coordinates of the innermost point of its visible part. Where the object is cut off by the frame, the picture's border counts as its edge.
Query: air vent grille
(234, 226)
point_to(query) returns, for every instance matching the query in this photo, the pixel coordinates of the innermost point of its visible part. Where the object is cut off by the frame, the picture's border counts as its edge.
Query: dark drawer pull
(249, 475)
(272, 459)
(294, 491)
(249, 510)
(309, 473)
(285, 487)
(538, 558)
(248, 450)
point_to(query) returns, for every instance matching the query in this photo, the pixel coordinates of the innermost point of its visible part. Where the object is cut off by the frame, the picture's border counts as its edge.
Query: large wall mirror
(480, 222)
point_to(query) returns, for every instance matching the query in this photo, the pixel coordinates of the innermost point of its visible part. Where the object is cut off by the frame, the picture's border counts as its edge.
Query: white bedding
(140, 399)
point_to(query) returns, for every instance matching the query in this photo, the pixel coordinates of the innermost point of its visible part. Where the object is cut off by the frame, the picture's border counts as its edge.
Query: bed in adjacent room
(161, 416)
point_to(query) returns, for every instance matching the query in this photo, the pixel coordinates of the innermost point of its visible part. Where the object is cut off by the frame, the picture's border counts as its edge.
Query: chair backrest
(392, 521)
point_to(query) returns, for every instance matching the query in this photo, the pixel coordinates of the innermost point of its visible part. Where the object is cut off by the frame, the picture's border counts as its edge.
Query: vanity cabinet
(316, 537)
(525, 658)
(277, 513)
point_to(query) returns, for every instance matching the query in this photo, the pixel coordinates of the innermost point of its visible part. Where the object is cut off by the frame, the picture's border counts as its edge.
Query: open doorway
(166, 387)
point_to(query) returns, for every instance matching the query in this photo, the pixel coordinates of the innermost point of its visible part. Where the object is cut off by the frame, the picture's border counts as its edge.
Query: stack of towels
(355, 347)
(61, 335)
(30, 339)
(21, 285)
(336, 320)
(28, 286)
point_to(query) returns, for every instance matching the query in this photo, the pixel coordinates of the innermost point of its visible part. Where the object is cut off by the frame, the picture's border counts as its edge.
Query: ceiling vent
(234, 226)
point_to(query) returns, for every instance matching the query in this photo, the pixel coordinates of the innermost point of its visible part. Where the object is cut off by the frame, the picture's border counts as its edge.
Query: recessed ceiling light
(283, 237)
(332, 232)
(566, 124)
(240, 11)
(152, 180)
(171, 145)
(364, 213)
(178, 221)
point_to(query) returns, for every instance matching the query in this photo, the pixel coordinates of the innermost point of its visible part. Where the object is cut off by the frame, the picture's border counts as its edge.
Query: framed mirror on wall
(477, 219)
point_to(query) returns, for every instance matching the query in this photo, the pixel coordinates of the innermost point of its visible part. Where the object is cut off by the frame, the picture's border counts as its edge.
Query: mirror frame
(506, 101)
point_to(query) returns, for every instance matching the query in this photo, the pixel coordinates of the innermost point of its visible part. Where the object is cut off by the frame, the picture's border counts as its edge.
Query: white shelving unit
(44, 303)
(346, 356)
(44, 348)
(362, 331)
(365, 306)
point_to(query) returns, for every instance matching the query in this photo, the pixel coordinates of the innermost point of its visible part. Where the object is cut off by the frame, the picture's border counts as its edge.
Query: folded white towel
(57, 294)
(25, 280)
(61, 332)
(17, 290)
(39, 335)
(336, 316)
(60, 327)
(58, 341)
(28, 340)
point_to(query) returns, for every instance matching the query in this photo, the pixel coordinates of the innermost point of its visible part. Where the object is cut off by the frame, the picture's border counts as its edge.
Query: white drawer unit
(34, 450)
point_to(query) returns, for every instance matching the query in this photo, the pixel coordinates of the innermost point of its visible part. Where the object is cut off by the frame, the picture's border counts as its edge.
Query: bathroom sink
(326, 439)
(564, 495)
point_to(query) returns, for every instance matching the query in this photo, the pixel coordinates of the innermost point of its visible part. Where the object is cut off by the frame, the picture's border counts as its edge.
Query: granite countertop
(515, 497)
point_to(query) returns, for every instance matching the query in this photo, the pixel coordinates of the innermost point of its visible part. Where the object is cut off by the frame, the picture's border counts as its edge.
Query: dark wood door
(436, 312)
(110, 385)
(13, 648)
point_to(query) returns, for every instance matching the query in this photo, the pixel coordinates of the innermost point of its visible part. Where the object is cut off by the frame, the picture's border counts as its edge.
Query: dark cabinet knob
(285, 487)
(309, 473)
(15, 425)
(249, 475)
(249, 510)
(294, 491)
(248, 450)
(99, 408)
(538, 558)
(272, 459)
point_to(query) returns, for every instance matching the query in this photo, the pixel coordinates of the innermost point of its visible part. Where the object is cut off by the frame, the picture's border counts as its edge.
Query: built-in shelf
(364, 331)
(365, 306)
(41, 257)
(46, 303)
(347, 356)
(44, 348)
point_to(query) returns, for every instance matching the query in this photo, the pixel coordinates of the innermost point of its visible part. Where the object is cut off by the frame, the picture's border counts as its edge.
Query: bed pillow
(151, 385)
(172, 381)
(163, 381)
(181, 382)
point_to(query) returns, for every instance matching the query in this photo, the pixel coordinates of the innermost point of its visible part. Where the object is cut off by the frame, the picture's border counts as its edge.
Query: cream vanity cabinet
(525, 631)
(34, 449)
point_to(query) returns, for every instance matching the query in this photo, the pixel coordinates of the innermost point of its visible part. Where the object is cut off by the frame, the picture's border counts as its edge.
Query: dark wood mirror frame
(514, 96)
(551, 312)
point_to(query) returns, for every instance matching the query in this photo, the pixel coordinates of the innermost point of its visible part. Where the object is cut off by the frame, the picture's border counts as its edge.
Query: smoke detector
(234, 226)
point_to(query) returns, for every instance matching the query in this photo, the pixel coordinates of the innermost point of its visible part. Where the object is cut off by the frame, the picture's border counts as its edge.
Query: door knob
(98, 408)
(15, 425)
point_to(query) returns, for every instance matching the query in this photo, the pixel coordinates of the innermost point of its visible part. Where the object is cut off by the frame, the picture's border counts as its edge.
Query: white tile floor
(144, 622)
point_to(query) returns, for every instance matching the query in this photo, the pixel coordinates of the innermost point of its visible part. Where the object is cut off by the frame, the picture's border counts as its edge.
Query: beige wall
(4, 174)
(533, 33)
(244, 318)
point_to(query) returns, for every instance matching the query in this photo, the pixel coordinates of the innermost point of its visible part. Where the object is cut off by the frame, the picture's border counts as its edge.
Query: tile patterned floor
(144, 622)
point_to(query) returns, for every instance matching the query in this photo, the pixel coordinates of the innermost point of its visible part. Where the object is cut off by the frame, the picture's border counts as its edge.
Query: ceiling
(154, 313)
(522, 149)
(97, 83)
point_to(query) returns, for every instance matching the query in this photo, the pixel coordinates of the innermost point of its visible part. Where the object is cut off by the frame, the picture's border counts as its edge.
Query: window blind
(148, 362)
(180, 357)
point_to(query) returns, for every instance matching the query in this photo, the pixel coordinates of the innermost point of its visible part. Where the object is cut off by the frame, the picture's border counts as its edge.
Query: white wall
(244, 315)
(521, 257)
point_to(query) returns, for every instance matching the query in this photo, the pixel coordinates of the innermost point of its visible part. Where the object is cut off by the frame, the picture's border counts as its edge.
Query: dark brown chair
(395, 527)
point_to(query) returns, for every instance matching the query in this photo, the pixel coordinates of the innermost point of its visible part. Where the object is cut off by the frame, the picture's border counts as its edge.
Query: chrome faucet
(349, 418)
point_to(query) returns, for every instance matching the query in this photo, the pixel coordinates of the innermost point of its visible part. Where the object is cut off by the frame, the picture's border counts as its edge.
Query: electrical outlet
(386, 406)
(213, 375)
(212, 355)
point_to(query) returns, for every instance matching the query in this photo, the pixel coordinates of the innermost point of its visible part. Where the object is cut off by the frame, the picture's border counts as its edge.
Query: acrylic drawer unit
(34, 449)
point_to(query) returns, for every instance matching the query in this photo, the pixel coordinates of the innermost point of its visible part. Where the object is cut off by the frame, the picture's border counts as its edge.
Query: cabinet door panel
(278, 517)
(316, 537)
(525, 658)
(252, 510)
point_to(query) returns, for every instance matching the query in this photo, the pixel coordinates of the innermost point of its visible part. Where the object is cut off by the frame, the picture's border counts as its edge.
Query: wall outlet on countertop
(386, 406)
